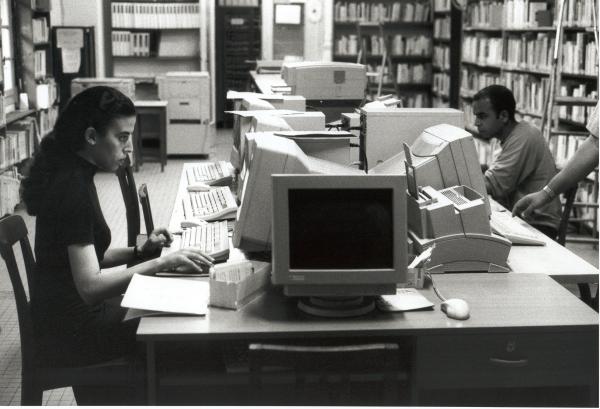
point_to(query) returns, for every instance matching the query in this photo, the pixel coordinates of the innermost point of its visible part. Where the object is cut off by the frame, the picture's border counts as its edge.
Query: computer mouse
(198, 187)
(456, 308)
(192, 223)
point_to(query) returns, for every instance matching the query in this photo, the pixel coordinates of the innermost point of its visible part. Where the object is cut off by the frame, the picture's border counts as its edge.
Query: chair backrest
(569, 199)
(132, 207)
(145, 202)
(13, 230)
(327, 363)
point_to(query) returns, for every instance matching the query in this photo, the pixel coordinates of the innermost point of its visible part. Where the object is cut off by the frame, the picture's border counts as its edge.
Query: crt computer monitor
(442, 156)
(269, 154)
(339, 235)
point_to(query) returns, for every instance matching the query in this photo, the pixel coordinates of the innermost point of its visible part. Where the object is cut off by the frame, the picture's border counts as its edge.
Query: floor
(161, 191)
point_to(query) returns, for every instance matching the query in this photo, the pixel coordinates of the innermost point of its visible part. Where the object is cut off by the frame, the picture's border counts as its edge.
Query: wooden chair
(322, 365)
(146, 210)
(36, 377)
(132, 208)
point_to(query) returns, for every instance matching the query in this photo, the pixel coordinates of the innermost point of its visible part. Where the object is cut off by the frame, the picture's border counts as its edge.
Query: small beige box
(234, 295)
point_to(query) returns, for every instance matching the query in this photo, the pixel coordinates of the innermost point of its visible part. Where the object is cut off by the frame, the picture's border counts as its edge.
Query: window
(8, 54)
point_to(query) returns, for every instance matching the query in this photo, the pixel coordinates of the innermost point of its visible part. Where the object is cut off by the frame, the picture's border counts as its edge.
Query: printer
(325, 80)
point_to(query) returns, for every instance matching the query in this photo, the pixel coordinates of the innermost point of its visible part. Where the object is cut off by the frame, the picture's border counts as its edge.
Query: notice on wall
(70, 42)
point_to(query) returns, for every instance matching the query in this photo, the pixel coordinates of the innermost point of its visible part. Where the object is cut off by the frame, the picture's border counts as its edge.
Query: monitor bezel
(284, 275)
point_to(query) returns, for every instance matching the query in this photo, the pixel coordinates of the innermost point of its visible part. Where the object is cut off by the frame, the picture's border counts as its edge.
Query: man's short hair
(501, 99)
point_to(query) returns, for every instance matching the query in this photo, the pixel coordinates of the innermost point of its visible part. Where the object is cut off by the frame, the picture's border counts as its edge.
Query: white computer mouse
(192, 223)
(198, 187)
(456, 308)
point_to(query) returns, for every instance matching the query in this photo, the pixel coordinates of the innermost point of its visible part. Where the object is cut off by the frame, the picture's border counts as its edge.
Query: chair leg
(31, 393)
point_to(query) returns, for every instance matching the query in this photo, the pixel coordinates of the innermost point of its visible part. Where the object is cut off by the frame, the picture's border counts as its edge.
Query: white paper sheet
(171, 295)
(405, 299)
(71, 60)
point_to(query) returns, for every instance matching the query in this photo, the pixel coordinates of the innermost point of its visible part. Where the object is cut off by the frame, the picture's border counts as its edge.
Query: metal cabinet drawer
(507, 360)
(187, 108)
(184, 88)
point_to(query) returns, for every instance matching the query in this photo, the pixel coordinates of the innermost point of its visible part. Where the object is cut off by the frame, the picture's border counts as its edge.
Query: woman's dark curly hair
(94, 107)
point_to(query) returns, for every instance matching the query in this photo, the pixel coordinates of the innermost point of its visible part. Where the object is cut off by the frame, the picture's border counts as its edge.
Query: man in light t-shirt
(524, 164)
(579, 166)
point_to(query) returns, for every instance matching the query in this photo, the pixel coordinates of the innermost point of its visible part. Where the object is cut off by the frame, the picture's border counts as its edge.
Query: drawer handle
(184, 103)
(507, 363)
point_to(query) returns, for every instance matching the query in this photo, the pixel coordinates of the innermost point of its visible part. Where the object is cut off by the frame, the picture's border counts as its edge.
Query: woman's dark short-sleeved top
(70, 214)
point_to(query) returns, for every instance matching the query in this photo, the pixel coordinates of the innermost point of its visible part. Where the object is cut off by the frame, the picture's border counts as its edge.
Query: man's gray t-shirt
(524, 165)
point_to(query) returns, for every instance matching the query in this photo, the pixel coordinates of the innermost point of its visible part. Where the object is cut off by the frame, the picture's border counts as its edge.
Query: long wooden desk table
(525, 330)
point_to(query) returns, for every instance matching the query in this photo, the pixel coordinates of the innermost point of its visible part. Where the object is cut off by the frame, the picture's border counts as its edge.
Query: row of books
(533, 53)
(405, 73)
(41, 30)
(441, 56)
(442, 5)
(46, 93)
(365, 11)
(523, 13)
(579, 114)
(563, 147)
(2, 109)
(579, 13)
(126, 43)
(399, 45)
(472, 80)
(441, 83)
(580, 55)
(529, 91)
(587, 193)
(482, 49)
(10, 183)
(47, 119)
(441, 27)
(155, 15)
(416, 100)
(484, 14)
(18, 143)
(239, 3)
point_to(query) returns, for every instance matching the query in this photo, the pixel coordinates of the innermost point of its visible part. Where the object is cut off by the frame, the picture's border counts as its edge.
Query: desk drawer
(184, 88)
(505, 360)
(187, 108)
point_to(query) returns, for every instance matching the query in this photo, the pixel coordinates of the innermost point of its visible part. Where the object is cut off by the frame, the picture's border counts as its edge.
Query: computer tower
(188, 111)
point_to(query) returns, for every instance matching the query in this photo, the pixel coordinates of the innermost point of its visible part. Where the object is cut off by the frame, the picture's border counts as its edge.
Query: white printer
(326, 80)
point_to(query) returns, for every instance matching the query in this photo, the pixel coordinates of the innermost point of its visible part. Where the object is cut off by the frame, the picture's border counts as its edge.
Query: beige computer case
(188, 111)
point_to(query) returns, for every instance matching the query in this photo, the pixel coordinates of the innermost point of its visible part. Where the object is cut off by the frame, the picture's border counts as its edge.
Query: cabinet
(407, 27)
(446, 54)
(238, 44)
(149, 38)
(188, 112)
(511, 43)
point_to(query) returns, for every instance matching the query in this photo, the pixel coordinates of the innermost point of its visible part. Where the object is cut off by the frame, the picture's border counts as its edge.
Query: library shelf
(378, 57)
(526, 70)
(483, 28)
(387, 24)
(157, 57)
(15, 116)
(576, 101)
(484, 66)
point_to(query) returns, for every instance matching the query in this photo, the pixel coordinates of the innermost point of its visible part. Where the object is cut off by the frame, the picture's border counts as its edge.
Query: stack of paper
(157, 295)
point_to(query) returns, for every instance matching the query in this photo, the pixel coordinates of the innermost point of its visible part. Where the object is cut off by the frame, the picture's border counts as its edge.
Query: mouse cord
(435, 290)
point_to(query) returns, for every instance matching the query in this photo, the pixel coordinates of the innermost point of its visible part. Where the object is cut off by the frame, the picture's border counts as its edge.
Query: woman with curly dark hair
(73, 320)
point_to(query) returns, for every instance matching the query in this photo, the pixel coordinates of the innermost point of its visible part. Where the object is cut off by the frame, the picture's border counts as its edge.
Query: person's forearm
(579, 166)
(117, 257)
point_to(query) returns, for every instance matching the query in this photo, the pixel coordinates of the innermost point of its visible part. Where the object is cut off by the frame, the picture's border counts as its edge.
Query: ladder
(550, 121)
(386, 60)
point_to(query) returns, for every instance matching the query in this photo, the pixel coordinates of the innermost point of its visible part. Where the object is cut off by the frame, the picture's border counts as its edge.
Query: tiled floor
(161, 191)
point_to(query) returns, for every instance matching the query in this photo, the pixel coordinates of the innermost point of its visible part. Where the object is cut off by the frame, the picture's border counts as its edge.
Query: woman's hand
(188, 260)
(158, 239)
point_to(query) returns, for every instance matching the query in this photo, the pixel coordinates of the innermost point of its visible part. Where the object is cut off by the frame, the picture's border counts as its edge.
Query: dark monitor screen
(341, 228)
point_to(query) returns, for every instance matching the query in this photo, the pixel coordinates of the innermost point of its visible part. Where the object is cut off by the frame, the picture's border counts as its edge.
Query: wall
(82, 13)
(318, 29)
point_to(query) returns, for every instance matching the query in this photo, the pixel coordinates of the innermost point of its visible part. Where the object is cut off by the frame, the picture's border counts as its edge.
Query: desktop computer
(442, 156)
(339, 240)
(385, 129)
(326, 80)
(269, 154)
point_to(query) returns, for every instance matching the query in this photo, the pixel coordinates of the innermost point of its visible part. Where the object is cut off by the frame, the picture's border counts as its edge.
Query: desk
(159, 109)
(525, 330)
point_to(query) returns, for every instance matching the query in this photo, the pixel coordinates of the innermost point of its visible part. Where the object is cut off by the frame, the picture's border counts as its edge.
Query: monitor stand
(337, 307)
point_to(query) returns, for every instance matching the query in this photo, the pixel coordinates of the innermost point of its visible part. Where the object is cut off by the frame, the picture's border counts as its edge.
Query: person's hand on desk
(529, 203)
(188, 260)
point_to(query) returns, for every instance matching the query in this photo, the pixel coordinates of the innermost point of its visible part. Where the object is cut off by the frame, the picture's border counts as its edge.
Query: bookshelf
(152, 37)
(446, 54)
(407, 24)
(510, 42)
(238, 44)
